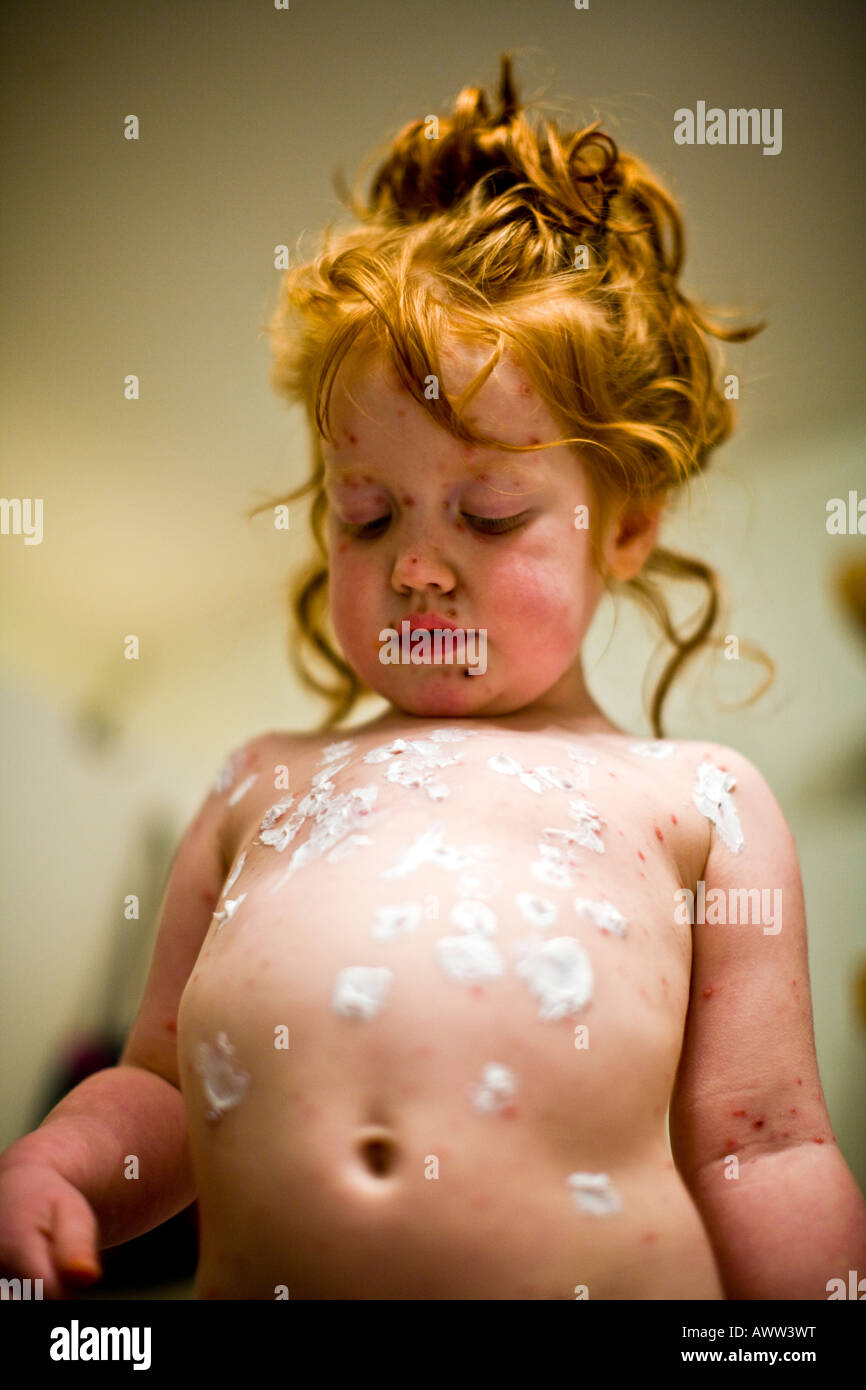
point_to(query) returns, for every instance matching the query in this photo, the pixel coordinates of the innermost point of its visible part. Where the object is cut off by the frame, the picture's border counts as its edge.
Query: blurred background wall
(155, 257)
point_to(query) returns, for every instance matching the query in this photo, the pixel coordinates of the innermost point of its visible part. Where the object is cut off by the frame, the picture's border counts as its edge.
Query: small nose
(418, 565)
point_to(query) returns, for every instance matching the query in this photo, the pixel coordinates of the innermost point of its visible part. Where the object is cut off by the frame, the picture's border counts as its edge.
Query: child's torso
(428, 1048)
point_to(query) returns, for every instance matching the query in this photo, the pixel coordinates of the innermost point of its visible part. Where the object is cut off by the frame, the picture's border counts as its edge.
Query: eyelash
(500, 526)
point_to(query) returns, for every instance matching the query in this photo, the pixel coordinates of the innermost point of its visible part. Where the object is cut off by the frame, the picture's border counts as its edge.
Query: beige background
(156, 257)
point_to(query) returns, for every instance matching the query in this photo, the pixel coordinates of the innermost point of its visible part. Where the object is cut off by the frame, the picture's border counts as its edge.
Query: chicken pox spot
(477, 990)
(352, 438)
(817, 1140)
(674, 820)
(708, 992)
(739, 1113)
(649, 1237)
(208, 898)
(170, 1025)
(641, 856)
(508, 1112)
(785, 1134)
(613, 775)
(659, 835)
(757, 1124)
(799, 1080)
(400, 411)
(729, 1144)
(407, 500)
(793, 1110)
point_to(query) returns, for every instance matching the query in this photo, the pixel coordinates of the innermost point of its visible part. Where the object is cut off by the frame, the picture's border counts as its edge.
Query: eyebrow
(514, 465)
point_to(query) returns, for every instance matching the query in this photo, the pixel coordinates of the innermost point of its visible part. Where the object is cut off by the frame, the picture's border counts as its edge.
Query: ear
(631, 536)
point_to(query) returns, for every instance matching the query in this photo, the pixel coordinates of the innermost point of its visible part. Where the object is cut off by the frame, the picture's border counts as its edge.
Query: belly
(399, 1086)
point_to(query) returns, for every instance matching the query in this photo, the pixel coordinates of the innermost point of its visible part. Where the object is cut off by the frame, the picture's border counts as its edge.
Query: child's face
(532, 586)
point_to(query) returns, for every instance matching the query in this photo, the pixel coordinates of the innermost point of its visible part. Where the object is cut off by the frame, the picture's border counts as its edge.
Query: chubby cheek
(354, 593)
(533, 594)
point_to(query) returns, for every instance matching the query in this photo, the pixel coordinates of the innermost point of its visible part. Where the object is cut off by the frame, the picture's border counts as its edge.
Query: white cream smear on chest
(498, 1086)
(558, 972)
(224, 1083)
(594, 1193)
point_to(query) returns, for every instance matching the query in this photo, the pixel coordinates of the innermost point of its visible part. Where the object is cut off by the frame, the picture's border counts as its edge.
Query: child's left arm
(791, 1218)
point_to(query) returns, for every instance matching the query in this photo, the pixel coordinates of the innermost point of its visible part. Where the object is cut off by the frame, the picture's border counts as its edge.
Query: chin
(438, 696)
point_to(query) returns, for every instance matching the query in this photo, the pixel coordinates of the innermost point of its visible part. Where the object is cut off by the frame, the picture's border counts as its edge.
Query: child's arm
(748, 1081)
(135, 1108)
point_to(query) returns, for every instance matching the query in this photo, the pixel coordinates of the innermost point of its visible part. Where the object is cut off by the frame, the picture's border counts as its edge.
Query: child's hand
(48, 1230)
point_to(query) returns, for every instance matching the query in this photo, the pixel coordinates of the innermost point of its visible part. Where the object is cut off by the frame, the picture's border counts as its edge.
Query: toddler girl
(432, 1013)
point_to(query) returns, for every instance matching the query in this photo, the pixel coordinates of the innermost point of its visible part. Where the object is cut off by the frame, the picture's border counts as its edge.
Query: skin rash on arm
(750, 1131)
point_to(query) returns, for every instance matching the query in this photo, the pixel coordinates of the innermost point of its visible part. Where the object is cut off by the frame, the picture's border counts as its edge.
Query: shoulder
(749, 826)
(256, 753)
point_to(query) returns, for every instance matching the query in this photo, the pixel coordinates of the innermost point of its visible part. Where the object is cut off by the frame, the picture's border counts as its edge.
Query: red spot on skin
(400, 411)
(799, 1080)
(674, 820)
(460, 525)
(344, 545)
(612, 774)
(352, 438)
(170, 1025)
(663, 979)
(659, 835)
(643, 994)
(816, 1140)
(408, 501)
(708, 992)
(208, 897)
(477, 990)
(757, 1124)
(729, 1144)
(508, 1112)
(620, 834)
(368, 477)
(641, 856)
(785, 1134)
(649, 1237)
(738, 1113)
(793, 1110)
(533, 438)
(525, 389)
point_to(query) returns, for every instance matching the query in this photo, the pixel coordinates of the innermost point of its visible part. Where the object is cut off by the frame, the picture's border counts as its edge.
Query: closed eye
(487, 525)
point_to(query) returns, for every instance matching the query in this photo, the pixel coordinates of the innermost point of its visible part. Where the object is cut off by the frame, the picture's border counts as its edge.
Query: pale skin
(318, 1177)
